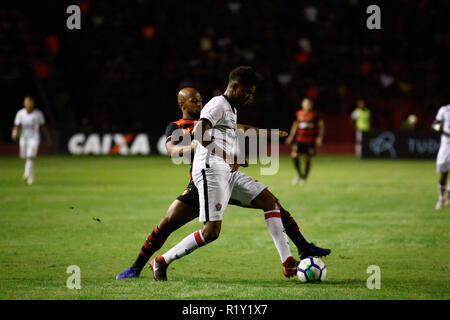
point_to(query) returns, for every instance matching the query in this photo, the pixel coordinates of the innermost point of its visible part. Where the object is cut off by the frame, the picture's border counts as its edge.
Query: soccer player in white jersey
(27, 124)
(442, 125)
(216, 177)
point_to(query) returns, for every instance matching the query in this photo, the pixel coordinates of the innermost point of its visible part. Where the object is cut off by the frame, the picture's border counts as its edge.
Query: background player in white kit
(216, 177)
(27, 124)
(442, 125)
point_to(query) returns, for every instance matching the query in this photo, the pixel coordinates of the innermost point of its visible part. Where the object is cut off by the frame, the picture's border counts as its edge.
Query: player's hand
(14, 134)
(234, 164)
(282, 134)
(233, 167)
(294, 154)
(436, 126)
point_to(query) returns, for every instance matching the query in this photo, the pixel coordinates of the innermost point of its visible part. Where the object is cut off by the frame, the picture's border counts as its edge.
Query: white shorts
(443, 159)
(216, 187)
(28, 147)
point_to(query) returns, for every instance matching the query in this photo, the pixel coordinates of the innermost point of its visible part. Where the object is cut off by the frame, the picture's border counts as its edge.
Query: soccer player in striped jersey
(306, 135)
(186, 207)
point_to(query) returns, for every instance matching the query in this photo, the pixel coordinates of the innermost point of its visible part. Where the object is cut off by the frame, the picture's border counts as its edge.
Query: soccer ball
(311, 270)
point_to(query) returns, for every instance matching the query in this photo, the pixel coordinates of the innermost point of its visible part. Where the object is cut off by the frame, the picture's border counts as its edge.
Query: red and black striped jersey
(186, 126)
(307, 130)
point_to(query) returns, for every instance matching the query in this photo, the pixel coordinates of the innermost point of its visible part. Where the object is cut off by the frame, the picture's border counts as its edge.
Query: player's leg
(209, 233)
(290, 225)
(307, 163)
(305, 248)
(31, 148)
(307, 156)
(29, 170)
(23, 155)
(358, 144)
(178, 215)
(183, 210)
(443, 194)
(248, 190)
(267, 202)
(297, 165)
(442, 167)
(214, 194)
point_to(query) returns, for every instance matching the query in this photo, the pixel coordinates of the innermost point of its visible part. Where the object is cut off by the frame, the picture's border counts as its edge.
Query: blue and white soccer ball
(311, 270)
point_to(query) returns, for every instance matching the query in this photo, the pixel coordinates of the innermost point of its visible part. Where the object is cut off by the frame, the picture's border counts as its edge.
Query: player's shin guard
(186, 246)
(275, 226)
(293, 230)
(154, 242)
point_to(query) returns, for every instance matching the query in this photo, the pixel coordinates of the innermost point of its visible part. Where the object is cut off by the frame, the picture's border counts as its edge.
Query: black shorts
(306, 148)
(190, 197)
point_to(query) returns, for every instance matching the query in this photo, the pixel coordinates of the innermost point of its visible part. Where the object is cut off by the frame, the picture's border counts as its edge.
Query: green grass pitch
(95, 212)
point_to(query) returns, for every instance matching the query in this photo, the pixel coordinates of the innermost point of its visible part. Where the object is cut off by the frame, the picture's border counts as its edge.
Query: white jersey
(443, 116)
(223, 119)
(29, 123)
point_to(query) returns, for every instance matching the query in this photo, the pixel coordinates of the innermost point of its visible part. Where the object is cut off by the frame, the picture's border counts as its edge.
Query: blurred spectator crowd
(121, 72)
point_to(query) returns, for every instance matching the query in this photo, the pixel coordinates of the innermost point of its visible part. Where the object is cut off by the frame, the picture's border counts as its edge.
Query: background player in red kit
(186, 207)
(305, 136)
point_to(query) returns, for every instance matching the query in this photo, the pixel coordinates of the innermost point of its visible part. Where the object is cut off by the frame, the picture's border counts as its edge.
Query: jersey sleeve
(169, 131)
(17, 120)
(440, 115)
(212, 112)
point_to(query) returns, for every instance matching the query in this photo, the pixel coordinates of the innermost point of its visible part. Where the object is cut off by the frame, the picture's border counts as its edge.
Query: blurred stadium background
(120, 73)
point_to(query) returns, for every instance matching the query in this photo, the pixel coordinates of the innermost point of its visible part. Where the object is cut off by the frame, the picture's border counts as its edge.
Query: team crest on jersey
(218, 206)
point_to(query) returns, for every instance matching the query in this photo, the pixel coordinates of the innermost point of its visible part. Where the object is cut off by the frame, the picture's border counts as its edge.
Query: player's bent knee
(211, 232)
(210, 235)
(266, 201)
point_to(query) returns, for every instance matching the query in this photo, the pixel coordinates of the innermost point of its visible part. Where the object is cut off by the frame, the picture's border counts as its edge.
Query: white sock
(29, 165)
(185, 246)
(276, 229)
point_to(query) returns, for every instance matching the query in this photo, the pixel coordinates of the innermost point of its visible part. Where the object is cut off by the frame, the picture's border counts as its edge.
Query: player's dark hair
(245, 76)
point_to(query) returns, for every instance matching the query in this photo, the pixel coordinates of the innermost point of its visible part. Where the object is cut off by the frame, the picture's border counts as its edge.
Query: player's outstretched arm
(173, 149)
(245, 127)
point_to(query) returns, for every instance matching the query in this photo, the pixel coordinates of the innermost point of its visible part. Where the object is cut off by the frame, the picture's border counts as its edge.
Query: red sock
(293, 230)
(154, 242)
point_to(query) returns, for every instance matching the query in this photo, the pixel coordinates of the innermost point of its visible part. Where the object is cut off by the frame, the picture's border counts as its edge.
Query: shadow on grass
(282, 283)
